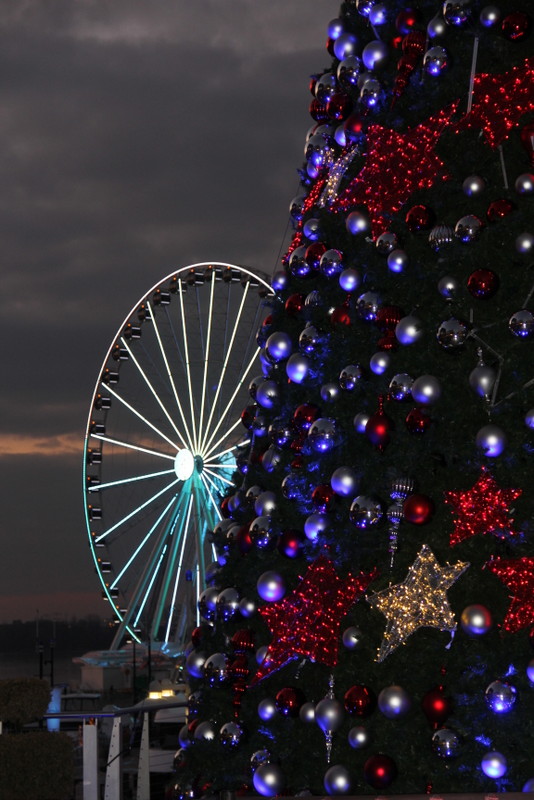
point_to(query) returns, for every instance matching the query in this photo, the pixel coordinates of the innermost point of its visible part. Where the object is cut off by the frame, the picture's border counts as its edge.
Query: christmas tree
(369, 622)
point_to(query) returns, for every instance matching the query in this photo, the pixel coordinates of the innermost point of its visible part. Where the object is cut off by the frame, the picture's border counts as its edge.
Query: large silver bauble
(436, 60)
(296, 207)
(426, 390)
(329, 714)
(268, 394)
(476, 620)
(329, 392)
(262, 532)
(325, 87)
(360, 422)
(348, 72)
(482, 380)
(307, 712)
(500, 696)
(448, 287)
(205, 731)
(395, 513)
(254, 384)
(350, 376)
(259, 757)
(349, 280)
(344, 482)
(446, 743)
(409, 330)
(436, 27)
(315, 525)
(375, 54)
(231, 734)
(452, 333)
(345, 46)
(322, 434)
(271, 586)
(379, 362)
(194, 664)
(459, 13)
(400, 387)
(261, 654)
(494, 764)
(491, 440)
(357, 222)
(227, 604)
(268, 780)
(310, 339)
(524, 243)
(272, 458)
(370, 92)
(297, 262)
(359, 737)
(267, 708)
(521, 323)
(473, 185)
(490, 16)
(337, 780)
(279, 346)
(247, 607)
(365, 512)
(367, 306)
(207, 602)
(352, 638)
(312, 229)
(216, 669)
(297, 367)
(394, 702)
(468, 228)
(331, 263)
(386, 242)
(265, 504)
(440, 236)
(398, 260)
(524, 183)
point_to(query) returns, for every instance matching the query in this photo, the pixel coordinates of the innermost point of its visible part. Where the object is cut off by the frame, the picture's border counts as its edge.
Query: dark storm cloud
(134, 137)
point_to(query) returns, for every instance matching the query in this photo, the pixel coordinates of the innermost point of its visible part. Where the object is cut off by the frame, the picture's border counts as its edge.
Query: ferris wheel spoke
(222, 438)
(205, 448)
(121, 482)
(187, 366)
(136, 510)
(183, 532)
(154, 393)
(207, 482)
(130, 446)
(170, 376)
(138, 549)
(206, 359)
(144, 419)
(224, 367)
(218, 477)
(149, 588)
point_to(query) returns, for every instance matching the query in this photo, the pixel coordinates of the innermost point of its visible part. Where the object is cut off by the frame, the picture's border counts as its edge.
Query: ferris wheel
(161, 443)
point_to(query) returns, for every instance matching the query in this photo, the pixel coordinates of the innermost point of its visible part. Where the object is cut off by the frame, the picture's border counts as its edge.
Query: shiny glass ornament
(265, 504)
(400, 387)
(426, 390)
(262, 533)
(359, 700)
(335, 28)
(459, 13)
(417, 421)
(436, 60)
(357, 222)
(329, 714)
(352, 638)
(378, 14)
(494, 765)
(247, 607)
(267, 709)
(271, 586)
(297, 368)
(307, 712)
(529, 419)
(310, 340)
(380, 362)
(476, 620)
(386, 243)
(394, 702)
(349, 280)
(329, 392)
(380, 771)
(216, 669)
(365, 512)
(360, 422)
(499, 209)
(331, 263)
(482, 380)
(500, 696)
(295, 209)
(319, 152)
(227, 603)
(452, 333)
(315, 525)
(259, 757)
(397, 261)
(350, 376)
(322, 434)
(437, 27)
(337, 780)
(312, 229)
(418, 509)
(370, 92)
(490, 16)
(521, 324)
(230, 735)
(524, 184)
(440, 236)
(348, 72)
(468, 228)
(530, 670)
(194, 664)
(448, 287)
(446, 743)
(473, 185)
(205, 731)
(358, 737)
(207, 602)
(524, 243)
(528, 786)
(279, 280)
(483, 283)
(344, 481)
(367, 306)
(409, 330)
(298, 265)
(375, 54)
(515, 26)
(279, 346)
(314, 299)
(325, 87)
(268, 780)
(345, 46)
(289, 701)
(491, 440)
(268, 394)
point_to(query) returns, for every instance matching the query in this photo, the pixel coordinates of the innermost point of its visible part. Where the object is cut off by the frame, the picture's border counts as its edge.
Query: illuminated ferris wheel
(161, 443)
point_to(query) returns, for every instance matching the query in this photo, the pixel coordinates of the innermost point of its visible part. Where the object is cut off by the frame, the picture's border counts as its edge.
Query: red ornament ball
(499, 209)
(289, 700)
(323, 497)
(418, 509)
(378, 429)
(318, 111)
(243, 640)
(436, 706)
(339, 106)
(248, 414)
(340, 316)
(420, 218)
(515, 26)
(407, 20)
(417, 421)
(388, 317)
(304, 415)
(243, 540)
(360, 700)
(483, 283)
(354, 127)
(380, 771)
(313, 254)
(294, 304)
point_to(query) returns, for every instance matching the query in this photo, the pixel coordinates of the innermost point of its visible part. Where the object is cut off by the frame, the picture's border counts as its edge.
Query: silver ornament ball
(398, 260)
(459, 13)
(365, 512)
(436, 60)
(357, 222)
(265, 504)
(446, 743)
(348, 72)
(394, 702)
(247, 608)
(322, 434)
(329, 392)
(231, 734)
(529, 419)
(360, 422)
(352, 638)
(440, 236)
(375, 54)
(350, 376)
(367, 305)
(329, 714)
(344, 482)
(259, 757)
(524, 243)
(409, 330)
(490, 16)
(473, 185)
(482, 380)
(359, 737)
(337, 780)
(521, 324)
(426, 390)
(448, 287)
(436, 27)
(325, 87)
(468, 228)
(500, 696)
(386, 242)
(268, 780)
(491, 440)
(524, 183)
(227, 604)
(349, 280)
(307, 712)
(205, 731)
(216, 669)
(271, 586)
(452, 333)
(267, 708)
(476, 620)
(268, 394)
(379, 362)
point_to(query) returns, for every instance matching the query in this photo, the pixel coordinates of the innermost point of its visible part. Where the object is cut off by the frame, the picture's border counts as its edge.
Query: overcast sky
(136, 136)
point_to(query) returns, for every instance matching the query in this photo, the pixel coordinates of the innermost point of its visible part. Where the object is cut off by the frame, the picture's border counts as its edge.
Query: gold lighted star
(419, 601)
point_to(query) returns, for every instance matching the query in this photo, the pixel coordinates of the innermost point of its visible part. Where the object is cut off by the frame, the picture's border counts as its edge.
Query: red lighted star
(306, 622)
(499, 102)
(483, 509)
(518, 575)
(397, 165)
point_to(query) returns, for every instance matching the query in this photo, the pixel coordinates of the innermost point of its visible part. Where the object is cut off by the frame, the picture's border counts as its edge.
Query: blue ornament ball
(494, 765)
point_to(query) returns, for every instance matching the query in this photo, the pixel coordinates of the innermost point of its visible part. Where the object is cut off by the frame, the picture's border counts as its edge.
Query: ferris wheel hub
(184, 464)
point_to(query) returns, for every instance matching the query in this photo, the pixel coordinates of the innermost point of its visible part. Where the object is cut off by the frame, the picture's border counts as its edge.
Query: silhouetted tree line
(66, 636)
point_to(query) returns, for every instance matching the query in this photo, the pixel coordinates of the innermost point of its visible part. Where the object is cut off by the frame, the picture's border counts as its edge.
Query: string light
(518, 575)
(420, 601)
(306, 622)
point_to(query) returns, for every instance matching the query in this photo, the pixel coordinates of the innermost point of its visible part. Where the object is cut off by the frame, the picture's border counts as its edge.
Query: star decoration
(518, 575)
(420, 601)
(336, 174)
(397, 165)
(306, 622)
(485, 508)
(499, 102)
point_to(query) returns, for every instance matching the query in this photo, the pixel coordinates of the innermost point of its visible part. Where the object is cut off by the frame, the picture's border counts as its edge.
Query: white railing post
(90, 760)
(113, 789)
